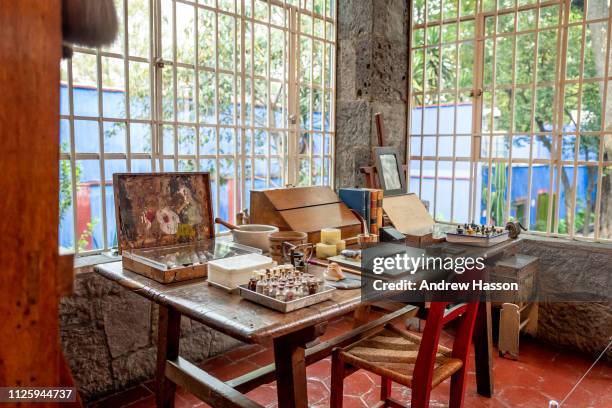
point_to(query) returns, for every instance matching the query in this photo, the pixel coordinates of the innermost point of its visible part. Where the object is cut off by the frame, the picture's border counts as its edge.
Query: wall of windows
(243, 89)
(510, 115)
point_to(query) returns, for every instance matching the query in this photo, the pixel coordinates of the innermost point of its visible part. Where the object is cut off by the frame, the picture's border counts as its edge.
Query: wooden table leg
(483, 350)
(168, 334)
(289, 358)
(361, 315)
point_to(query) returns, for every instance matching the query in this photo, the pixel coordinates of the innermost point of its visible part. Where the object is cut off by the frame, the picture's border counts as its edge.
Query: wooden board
(408, 214)
(304, 209)
(30, 48)
(285, 199)
(157, 209)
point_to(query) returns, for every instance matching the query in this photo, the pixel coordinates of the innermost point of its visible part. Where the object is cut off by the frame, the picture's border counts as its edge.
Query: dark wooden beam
(209, 389)
(168, 335)
(267, 374)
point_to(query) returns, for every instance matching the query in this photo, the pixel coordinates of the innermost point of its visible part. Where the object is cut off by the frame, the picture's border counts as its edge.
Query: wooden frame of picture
(142, 198)
(391, 176)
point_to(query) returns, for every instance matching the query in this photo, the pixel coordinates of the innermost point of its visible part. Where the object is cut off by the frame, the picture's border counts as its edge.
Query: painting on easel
(157, 209)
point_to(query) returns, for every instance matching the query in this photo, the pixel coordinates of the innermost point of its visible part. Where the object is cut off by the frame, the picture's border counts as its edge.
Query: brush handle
(225, 224)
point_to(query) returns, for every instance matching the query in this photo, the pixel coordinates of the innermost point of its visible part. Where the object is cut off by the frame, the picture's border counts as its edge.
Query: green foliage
(65, 187)
(498, 194)
(86, 234)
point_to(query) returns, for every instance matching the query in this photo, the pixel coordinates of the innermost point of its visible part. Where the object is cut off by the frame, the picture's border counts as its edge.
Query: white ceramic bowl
(254, 235)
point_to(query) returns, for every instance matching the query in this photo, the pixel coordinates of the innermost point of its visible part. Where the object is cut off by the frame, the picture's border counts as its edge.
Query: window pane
(85, 84)
(138, 28)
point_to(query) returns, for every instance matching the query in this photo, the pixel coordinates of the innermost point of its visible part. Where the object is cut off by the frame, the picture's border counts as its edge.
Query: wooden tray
(190, 260)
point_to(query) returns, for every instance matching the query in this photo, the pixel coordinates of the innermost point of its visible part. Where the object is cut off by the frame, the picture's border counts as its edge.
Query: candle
(330, 235)
(340, 246)
(324, 251)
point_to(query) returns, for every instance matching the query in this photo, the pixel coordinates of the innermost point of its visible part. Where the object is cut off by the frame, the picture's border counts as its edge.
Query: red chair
(419, 363)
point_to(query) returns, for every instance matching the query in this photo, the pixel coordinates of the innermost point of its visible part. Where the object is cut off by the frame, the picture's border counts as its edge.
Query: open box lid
(408, 214)
(159, 209)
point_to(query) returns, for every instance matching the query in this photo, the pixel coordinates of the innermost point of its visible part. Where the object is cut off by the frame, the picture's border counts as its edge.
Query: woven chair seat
(392, 353)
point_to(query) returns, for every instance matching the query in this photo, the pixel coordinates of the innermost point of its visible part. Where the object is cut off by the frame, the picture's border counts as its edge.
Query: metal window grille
(508, 113)
(244, 89)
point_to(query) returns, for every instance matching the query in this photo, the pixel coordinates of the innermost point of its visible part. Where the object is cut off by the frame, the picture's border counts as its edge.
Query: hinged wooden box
(305, 209)
(165, 225)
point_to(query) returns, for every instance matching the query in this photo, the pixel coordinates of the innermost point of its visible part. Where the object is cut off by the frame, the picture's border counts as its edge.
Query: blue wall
(87, 140)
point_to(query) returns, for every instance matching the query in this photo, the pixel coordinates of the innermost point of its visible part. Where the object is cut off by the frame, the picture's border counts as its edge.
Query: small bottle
(312, 287)
(267, 287)
(259, 287)
(304, 283)
(252, 284)
(280, 294)
(289, 293)
(299, 292)
(320, 284)
(273, 290)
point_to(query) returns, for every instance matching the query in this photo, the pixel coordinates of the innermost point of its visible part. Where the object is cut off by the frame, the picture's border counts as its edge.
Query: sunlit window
(515, 126)
(242, 89)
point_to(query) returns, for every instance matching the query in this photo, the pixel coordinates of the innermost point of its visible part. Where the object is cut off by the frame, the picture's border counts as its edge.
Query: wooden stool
(416, 362)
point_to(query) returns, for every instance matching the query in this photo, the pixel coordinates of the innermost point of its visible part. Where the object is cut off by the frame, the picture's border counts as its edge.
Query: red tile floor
(541, 374)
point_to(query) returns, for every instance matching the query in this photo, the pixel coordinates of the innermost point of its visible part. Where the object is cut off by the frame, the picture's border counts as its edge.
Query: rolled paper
(330, 235)
(340, 246)
(324, 251)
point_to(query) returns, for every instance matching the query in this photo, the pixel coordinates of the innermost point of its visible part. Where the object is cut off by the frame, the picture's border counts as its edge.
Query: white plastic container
(229, 273)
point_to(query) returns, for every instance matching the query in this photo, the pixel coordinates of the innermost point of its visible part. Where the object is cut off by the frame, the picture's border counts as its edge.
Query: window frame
(291, 127)
(556, 161)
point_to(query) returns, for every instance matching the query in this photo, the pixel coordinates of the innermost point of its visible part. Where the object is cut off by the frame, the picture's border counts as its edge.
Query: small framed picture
(391, 177)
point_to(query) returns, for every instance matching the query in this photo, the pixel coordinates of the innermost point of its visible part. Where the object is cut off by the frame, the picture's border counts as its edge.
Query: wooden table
(291, 335)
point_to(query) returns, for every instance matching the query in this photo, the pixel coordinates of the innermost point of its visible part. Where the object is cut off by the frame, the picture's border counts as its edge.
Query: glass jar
(259, 288)
(273, 290)
(281, 293)
(252, 284)
(290, 293)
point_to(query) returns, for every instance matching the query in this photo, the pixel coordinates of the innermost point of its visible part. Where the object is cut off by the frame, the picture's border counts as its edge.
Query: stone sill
(86, 264)
(561, 242)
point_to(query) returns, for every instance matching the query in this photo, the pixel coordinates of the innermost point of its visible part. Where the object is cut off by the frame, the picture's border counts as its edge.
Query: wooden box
(519, 268)
(161, 212)
(304, 209)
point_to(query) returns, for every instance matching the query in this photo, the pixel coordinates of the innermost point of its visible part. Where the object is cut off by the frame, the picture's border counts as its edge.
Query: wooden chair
(419, 363)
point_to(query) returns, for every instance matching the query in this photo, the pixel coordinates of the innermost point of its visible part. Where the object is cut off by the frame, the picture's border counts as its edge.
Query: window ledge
(86, 263)
(564, 242)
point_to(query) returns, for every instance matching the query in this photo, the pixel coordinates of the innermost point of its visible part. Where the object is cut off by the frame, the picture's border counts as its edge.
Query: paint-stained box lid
(159, 209)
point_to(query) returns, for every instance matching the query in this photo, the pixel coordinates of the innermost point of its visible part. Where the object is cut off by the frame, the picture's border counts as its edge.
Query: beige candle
(330, 235)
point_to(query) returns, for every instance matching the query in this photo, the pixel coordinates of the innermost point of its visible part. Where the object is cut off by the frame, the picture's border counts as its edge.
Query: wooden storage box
(165, 225)
(305, 209)
(518, 268)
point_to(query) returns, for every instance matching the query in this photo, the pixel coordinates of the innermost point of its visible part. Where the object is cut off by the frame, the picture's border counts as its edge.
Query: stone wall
(109, 337)
(371, 72)
(564, 265)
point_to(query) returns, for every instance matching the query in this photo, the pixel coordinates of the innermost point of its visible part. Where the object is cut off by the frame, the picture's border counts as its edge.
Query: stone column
(371, 72)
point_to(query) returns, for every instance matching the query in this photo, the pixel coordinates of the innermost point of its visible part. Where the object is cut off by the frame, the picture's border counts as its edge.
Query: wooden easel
(369, 172)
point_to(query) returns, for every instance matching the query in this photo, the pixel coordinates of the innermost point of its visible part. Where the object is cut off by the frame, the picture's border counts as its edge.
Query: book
(376, 210)
(357, 199)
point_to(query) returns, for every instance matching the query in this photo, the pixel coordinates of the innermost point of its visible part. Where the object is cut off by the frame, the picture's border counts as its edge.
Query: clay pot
(277, 238)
